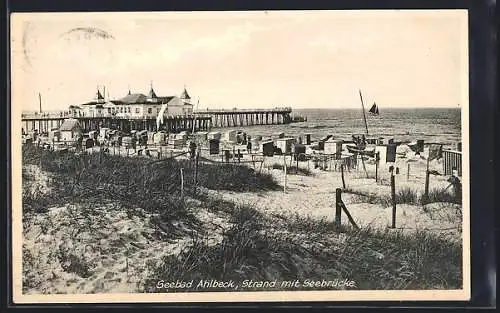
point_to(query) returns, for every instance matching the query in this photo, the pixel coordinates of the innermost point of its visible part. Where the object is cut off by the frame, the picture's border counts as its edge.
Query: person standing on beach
(457, 185)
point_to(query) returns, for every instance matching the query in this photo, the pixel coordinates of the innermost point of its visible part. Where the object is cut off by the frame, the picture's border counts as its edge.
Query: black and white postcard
(240, 156)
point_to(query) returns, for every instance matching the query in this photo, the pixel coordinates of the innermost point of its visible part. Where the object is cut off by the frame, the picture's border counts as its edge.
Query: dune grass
(374, 259)
(368, 197)
(407, 195)
(257, 246)
(130, 183)
(234, 177)
(441, 195)
(291, 170)
(136, 180)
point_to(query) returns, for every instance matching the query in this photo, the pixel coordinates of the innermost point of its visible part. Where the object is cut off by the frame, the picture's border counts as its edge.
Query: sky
(261, 59)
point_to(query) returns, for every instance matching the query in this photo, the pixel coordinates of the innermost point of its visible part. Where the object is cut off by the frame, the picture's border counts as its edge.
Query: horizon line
(301, 108)
(391, 107)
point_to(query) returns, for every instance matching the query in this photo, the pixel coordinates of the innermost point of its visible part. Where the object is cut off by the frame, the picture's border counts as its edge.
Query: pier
(201, 120)
(247, 117)
(45, 122)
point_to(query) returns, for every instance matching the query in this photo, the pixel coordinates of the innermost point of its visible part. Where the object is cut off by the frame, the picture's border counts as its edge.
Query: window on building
(109, 110)
(150, 110)
(121, 110)
(128, 109)
(137, 110)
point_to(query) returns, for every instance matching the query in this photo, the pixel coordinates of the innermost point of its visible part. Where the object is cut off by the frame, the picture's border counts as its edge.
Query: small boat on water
(374, 109)
(360, 141)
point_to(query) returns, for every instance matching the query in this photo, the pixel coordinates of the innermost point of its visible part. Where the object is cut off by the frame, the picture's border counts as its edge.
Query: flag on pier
(159, 118)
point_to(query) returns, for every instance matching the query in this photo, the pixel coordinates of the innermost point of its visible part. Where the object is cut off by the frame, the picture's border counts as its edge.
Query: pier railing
(236, 110)
(64, 115)
(199, 114)
(205, 119)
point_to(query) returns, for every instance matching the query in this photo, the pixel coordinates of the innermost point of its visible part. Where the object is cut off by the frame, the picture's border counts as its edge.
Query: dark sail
(374, 109)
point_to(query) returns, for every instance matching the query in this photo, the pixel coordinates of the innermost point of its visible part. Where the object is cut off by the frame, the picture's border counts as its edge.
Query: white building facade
(135, 106)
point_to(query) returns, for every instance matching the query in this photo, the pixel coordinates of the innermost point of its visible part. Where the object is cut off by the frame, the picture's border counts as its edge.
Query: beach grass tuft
(441, 195)
(407, 195)
(291, 170)
(373, 259)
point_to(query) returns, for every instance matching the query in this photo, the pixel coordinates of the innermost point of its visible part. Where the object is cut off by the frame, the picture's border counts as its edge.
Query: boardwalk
(45, 123)
(202, 120)
(247, 117)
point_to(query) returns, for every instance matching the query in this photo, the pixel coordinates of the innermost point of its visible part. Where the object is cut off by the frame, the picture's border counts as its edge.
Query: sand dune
(82, 249)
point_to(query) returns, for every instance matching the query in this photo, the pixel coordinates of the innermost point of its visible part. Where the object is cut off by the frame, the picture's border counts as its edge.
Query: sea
(433, 125)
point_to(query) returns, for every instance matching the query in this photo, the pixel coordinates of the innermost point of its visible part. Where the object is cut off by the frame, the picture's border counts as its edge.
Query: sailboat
(374, 109)
(360, 147)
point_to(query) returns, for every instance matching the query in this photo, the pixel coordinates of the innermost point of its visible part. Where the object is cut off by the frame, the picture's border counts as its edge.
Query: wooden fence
(452, 160)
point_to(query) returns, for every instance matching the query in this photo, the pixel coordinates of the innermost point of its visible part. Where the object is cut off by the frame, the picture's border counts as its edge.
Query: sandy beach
(314, 195)
(93, 249)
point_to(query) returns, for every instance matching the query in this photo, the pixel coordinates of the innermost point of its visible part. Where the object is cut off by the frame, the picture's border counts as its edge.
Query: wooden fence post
(364, 166)
(426, 190)
(393, 197)
(338, 209)
(182, 183)
(377, 159)
(342, 174)
(197, 158)
(408, 172)
(349, 217)
(297, 160)
(239, 156)
(284, 185)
